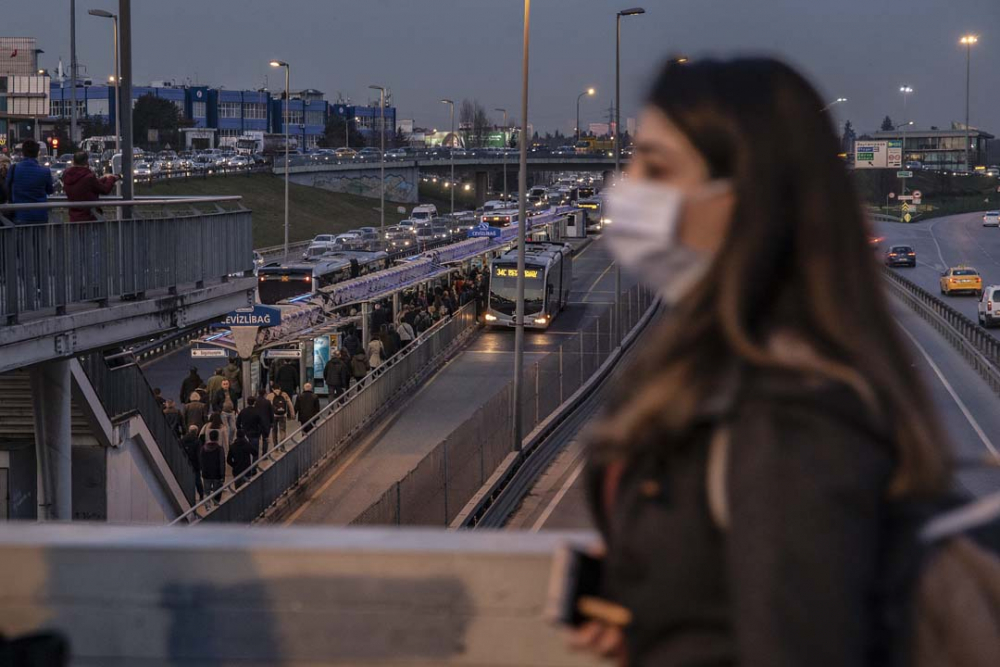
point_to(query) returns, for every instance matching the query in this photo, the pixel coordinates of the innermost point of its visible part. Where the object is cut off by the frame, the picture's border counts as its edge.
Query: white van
(991, 219)
(424, 212)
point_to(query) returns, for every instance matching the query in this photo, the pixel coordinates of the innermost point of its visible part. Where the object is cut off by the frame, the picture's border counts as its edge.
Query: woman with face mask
(743, 478)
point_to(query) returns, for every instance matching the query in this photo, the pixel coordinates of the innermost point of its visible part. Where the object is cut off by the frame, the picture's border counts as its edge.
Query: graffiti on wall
(398, 188)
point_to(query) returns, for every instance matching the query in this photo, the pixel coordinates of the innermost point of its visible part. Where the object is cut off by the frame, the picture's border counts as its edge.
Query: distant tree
(887, 125)
(155, 113)
(334, 134)
(95, 126)
(847, 138)
(400, 139)
(474, 123)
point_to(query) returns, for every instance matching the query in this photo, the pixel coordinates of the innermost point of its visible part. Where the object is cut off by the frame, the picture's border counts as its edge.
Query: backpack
(953, 606)
(359, 365)
(279, 405)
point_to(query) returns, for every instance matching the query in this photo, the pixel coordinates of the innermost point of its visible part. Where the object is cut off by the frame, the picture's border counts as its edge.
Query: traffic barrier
(326, 436)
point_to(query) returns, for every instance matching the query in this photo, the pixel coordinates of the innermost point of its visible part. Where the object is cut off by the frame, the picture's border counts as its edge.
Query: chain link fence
(443, 482)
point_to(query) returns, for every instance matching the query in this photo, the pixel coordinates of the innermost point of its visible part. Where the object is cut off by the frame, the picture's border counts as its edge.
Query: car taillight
(989, 305)
(912, 254)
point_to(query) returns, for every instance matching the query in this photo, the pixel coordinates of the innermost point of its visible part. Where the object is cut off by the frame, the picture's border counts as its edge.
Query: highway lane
(968, 408)
(450, 397)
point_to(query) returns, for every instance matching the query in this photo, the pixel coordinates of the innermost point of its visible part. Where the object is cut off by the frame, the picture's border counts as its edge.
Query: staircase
(17, 412)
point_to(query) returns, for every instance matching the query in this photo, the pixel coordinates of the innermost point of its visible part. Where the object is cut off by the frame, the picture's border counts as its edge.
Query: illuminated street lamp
(967, 41)
(281, 63)
(100, 13)
(451, 105)
(589, 91)
(839, 100)
(504, 152)
(381, 187)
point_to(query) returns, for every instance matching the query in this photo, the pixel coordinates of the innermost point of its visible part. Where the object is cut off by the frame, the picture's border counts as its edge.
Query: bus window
(503, 289)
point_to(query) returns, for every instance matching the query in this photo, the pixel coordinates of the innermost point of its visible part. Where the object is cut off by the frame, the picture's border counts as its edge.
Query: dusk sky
(428, 49)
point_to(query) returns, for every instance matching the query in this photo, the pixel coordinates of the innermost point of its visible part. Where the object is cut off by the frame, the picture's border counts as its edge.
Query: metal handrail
(116, 202)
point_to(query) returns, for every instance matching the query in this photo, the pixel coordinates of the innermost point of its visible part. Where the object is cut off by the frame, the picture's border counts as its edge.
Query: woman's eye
(657, 172)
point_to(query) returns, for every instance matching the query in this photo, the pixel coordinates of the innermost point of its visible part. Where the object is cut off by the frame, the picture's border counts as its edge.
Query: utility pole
(72, 71)
(504, 153)
(522, 180)
(125, 103)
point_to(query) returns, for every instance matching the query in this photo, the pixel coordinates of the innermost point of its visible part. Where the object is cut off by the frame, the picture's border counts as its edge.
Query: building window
(229, 109)
(295, 116)
(254, 111)
(314, 118)
(198, 109)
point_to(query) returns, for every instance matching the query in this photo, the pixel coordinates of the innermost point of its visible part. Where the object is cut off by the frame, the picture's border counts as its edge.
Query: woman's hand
(602, 639)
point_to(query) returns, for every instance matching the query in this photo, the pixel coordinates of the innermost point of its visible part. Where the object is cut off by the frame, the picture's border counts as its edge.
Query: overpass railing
(249, 495)
(156, 244)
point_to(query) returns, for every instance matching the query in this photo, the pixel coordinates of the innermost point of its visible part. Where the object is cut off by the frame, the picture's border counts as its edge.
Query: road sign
(892, 195)
(484, 230)
(878, 154)
(905, 207)
(283, 354)
(905, 197)
(917, 194)
(208, 352)
(258, 316)
(904, 174)
(906, 217)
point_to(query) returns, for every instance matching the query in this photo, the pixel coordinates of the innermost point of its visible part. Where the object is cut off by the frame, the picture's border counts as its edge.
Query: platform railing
(157, 244)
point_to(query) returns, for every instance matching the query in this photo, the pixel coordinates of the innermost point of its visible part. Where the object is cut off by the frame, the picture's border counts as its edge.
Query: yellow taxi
(961, 279)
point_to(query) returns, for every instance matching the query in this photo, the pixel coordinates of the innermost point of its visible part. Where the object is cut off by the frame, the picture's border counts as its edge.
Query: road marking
(944, 264)
(558, 497)
(947, 385)
(596, 282)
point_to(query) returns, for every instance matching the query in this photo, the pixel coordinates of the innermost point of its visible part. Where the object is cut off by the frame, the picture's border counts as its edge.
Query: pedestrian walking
(158, 397)
(389, 345)
(359, 366)
(175, 421)
(306, 406)
(745, 476)
(241, 457)
(406, 334)
(190, 383)
(195, 412)
(214, 383)
(82, 184)
(212, 460)
(375, 352)
(281, 404)
(216, 423)
(29, 183)
(336, 374)
(287, 377)
(266, 412)
(191, 444)
(224, 401)
(4, 167)
(234, 374)
(249, 421)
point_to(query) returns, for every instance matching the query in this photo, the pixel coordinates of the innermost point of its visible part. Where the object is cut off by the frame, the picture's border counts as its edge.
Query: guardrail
(975, 344)
(124, 391)
(248, 496)
(164, 244)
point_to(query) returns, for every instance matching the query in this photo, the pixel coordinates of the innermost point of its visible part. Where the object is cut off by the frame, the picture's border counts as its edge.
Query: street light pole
(504, 154)
(618, 152)
(839, 100)
(288, 94)
(589, 91)
(522, 185)
(125, 108)
(451, 104)
(101, 13)
(72, 70)
(968, 41)
(905, 90)
(381, 188)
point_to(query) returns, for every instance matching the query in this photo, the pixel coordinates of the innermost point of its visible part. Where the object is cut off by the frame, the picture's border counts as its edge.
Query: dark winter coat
(359, 365)
(336, 374)
(287, 378)
(306, 406)
(188, 386)
(81, 184)
(241, 455)
(233, 373)
(352, 344)
(212, 458)
(793, 579)
(192, 447)
(195, 414)
(173, 417)
(29, 183)
(220, 399)
(266, 412)
(249, 420)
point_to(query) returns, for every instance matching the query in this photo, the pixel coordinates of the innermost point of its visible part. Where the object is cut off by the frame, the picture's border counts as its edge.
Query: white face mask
(643, 235)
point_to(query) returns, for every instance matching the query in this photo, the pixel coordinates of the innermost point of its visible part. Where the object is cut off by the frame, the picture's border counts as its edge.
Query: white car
(324, 238)
(989, 306)
(142, 169)
(424, 212)
(319, 248)
(991, 219)
(239, 161)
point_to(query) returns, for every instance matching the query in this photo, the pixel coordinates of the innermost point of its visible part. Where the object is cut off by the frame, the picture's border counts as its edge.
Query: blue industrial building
(366, 119)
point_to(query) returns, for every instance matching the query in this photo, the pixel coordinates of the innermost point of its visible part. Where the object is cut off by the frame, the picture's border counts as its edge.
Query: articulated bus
(277, 282)
(501, 218)
(548, 274)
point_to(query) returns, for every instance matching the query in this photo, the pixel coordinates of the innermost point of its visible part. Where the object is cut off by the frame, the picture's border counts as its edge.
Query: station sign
(878, 154)
(208, 353)
(484, 230)
(283, 354)
(258, 316)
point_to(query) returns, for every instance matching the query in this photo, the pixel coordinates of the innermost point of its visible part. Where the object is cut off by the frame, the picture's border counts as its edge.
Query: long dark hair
(796, 259)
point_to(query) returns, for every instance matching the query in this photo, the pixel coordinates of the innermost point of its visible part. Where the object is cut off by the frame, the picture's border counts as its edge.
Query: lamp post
(504, 153)
(281, 63)
(451, 105)
(618, 149)
(839, 100)
(381, 187)
(905, 91)
(118, 107)
(589, 91)
(968, 41)
(522, 184)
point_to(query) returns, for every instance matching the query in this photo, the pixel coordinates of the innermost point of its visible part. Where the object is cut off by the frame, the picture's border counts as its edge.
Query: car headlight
(491, 318)
(540, 320)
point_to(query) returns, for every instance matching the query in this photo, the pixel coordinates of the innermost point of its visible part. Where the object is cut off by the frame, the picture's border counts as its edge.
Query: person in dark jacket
(190, 383)
(266, 412)
(195, 412)
(249, 421)
(337, 375)
(234, 374)
(225, 402)
(241, 456)
(352, 343)
(379, 317)
(191, 444)
(744, 475)
(306, 406)
(389, 345)
(81, 184)
(213, 463)
(287, 377)
(4, 167)
(29, 183)
(173, 417)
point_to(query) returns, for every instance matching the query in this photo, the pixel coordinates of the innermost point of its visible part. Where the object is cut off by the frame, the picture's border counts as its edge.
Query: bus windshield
(272, 288)
(503, 289)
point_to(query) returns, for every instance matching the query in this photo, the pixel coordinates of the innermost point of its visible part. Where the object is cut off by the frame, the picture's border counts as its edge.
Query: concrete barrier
(284, 596)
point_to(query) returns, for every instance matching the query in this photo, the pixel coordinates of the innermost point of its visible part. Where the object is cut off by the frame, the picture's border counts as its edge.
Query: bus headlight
(491, 318)
(540, 320)
(605, 221)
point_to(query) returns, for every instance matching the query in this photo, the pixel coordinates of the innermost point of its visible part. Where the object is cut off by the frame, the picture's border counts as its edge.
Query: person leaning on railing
(746, 475)
(81, 184)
